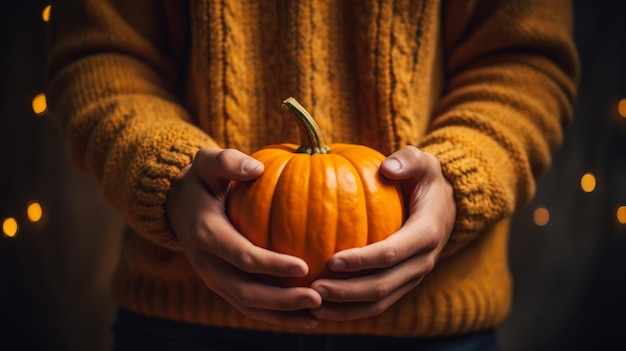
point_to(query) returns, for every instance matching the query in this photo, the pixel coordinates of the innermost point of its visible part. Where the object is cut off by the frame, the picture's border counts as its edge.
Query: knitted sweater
(139, 86)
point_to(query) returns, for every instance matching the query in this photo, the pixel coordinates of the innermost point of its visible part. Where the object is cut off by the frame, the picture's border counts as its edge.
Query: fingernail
(250, 165)
(392, 164)
(337, 265)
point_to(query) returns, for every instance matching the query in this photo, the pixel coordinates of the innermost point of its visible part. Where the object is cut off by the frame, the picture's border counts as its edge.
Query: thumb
(409, 162)
(228, 164)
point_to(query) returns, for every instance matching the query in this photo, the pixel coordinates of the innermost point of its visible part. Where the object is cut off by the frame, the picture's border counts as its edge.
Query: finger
(247, 291)
(358, 310)
(409, 162)
(376, 286)
(414, 237)
(275, 314)
(281, 306)
(231, 164)
(232, 247)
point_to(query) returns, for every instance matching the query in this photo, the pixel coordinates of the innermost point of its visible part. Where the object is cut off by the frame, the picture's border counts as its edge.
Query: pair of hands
(227, 262)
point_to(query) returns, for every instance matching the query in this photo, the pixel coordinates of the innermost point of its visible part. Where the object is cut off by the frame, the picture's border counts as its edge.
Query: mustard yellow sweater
(139, 86)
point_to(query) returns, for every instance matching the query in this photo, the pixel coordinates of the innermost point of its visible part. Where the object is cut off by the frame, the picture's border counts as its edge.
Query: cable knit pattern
(485, 86)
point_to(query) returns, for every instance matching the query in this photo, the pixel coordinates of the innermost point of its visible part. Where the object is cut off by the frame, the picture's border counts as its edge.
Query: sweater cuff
(480, 201)
(142, 197)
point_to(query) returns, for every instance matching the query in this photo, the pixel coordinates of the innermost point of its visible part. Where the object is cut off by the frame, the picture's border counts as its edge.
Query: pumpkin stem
(312, 141)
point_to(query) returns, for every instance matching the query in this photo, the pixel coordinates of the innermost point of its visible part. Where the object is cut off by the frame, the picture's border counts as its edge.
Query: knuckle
(432, 237)
(428, 266)
(225, 156)
(381, 292)
(430, 158)
(205, 153)
(414, 155)
(378, 308)
(201, 237)
(202, 153)
(222, 157)
(434, 165)
(245, 261)
(414, 151)
(205, 163)
(390, 256)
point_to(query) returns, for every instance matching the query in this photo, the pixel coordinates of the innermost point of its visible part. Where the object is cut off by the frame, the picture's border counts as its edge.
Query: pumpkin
(313, 200)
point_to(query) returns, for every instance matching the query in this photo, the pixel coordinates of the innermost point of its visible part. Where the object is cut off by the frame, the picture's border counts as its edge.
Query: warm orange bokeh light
(45, 14)
(34, 212)
(588, 182)
(541, 216)
(9, 227)
(39, 104)
(621, 214)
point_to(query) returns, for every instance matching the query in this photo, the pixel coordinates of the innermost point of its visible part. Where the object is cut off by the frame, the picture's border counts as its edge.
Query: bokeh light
(39, 104)
(541, 216)
(588, 182)
(45, 14)
(621, 108)
(9, 227)
(621, 214)
(34, 211)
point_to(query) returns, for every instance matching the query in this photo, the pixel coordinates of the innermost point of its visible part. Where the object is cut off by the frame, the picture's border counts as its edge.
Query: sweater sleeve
(512, 70)
(111, 78)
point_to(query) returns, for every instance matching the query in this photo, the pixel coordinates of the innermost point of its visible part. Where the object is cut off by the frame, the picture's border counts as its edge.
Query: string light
(588, 182)
(45, 14)
(34, 212)
(9, 227)
(39, 104)
(541, 216)
(621, 214)
(621, 108)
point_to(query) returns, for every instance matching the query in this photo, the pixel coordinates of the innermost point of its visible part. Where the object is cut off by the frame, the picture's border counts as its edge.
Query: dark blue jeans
(137, 332)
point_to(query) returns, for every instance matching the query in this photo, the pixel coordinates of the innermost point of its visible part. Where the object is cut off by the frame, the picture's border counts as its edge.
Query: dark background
(569, 274)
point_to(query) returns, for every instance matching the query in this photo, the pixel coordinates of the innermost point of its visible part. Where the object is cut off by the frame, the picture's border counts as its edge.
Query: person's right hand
(225, 260)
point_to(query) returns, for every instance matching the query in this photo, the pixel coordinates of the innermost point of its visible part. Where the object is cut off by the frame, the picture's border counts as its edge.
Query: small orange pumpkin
(314, 200)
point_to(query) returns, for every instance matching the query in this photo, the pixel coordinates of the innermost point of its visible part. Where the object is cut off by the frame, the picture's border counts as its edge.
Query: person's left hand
(401, 261)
